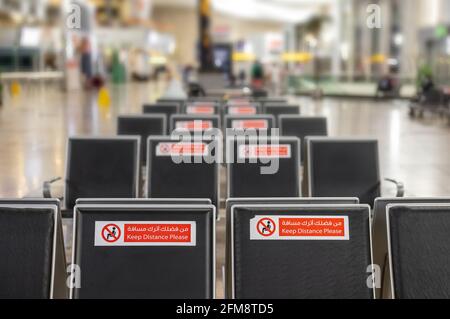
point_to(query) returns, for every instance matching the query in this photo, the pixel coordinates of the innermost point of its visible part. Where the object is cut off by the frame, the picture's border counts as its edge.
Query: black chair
(143, 126)
(419, 250)
(145, 251)
(301, 127)
(431, 101)
(167, 109)
(301, 251)
(343, 168)
(267, 168)
(202, 108)
(104, 167)
(179, 169)
(380, 234)
(32, 248)
(194, 122)
(278, 110)
(230, 202)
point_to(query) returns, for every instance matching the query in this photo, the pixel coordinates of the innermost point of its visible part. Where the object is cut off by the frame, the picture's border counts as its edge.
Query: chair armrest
(399, 185)
(47, 187)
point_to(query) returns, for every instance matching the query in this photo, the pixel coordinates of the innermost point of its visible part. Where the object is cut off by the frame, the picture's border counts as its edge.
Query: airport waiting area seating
(340, 167)
(380, 235)
(278, 243)
(302, 127)
(32, 248)
(92, 169)
(300, 251)
(269, 168)
(168, 109)
(144, 250)
(268, 201)
(277, 110)
(143, 125)
(179, 168)
(419, 247)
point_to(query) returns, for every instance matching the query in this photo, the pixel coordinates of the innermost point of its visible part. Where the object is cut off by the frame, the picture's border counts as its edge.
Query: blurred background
(329, 47)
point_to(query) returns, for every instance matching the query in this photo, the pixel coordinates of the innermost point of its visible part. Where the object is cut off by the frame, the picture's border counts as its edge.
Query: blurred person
(386, 86)
(427, 84)
(140, 70)
(242, 77)
(257, 74)
(86, 61)
(275, 79)
(175, 87)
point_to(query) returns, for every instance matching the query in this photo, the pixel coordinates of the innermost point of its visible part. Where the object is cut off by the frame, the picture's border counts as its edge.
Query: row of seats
(164, 246)
(333, 167)
(275, 248)
(434, 101)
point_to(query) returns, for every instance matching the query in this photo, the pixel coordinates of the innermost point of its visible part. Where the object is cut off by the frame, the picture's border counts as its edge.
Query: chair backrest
(32, 248)
(278, 110)
(301, 127)
(419, 247)
(271, 100)
(301, 251)
(194, 122)
(162, 108)
(146, 251)
(105, 167)
(268, 168)
(379, 234)
(179, 102)
(230, 202)
(343, 168)
(202, 108)
(180, 169)
(143, 126)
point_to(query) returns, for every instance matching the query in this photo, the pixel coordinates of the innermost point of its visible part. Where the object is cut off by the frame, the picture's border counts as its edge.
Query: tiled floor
(34, 127)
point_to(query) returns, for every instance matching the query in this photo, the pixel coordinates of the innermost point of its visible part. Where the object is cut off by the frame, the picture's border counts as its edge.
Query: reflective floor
(34, 127)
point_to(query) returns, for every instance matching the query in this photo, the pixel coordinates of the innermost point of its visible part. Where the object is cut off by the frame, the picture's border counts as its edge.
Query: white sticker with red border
(200, 109)
(196, 125)
(250, 124)
(145, 233)
(181, 149)
(299, 228)
(264, 151)
(242, 110)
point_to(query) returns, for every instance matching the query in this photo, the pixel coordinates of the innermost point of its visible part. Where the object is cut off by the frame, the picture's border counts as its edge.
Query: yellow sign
(301, 57)
(243, 57)
(378, 58)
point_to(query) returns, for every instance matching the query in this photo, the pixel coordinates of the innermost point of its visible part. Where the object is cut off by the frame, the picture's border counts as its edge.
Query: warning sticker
(158, 233)
(196, 125)
(242, 110)
(265, 151)
(181, 149)
(200, 109)
(246, 124)
(299, 228)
